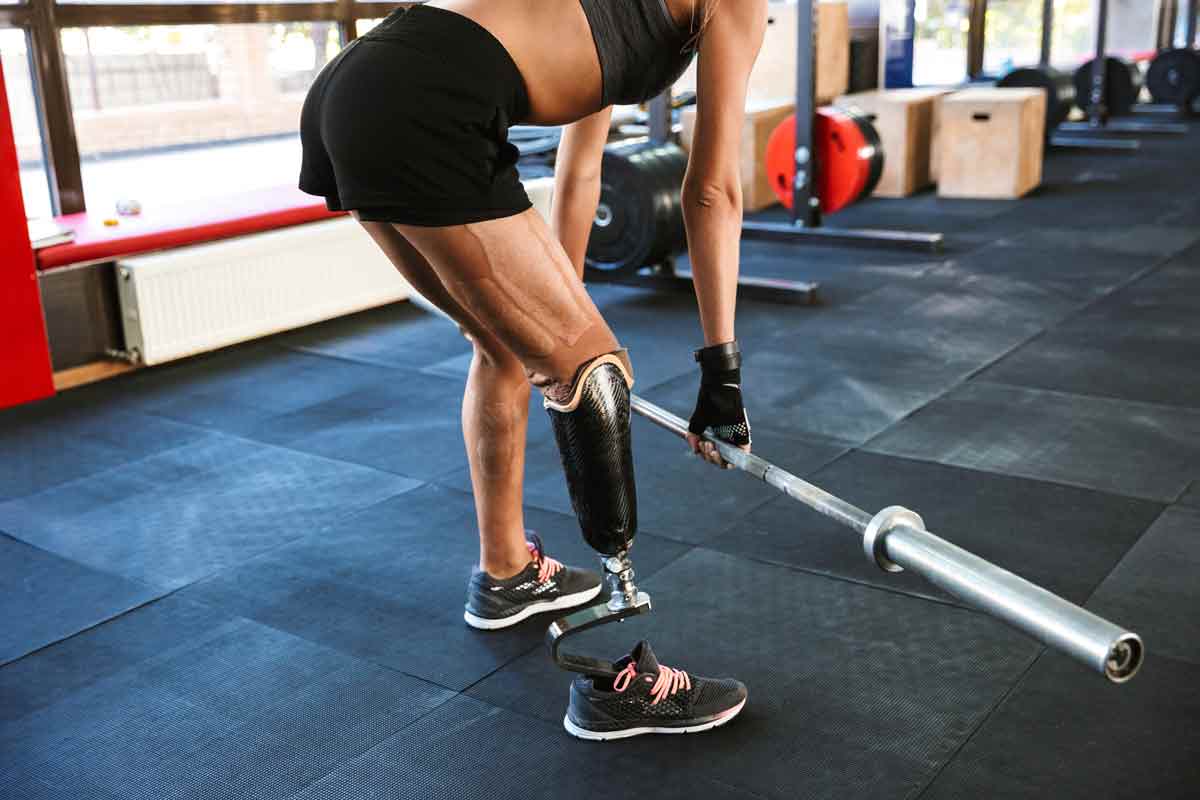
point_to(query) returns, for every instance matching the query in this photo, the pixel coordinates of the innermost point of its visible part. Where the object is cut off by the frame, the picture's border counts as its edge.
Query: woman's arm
(712, 188)
(712, 211)
(577, 183)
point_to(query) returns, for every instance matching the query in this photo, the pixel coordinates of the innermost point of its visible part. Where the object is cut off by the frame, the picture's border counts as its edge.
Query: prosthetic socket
(592, 430)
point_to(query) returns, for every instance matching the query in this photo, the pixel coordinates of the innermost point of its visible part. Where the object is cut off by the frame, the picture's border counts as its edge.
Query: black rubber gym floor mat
(47, 598)
(853, 692)
(1192, 496)
(661, 330)
(244, 711)
(71, 436)
(389, 585)
(239, 499)
(1096, 198)
(668, 476)
(1175, 283)
(396, 335)
(951, 320)
(1067, 734)
(468, 750)
(42, 678)
(814, 393)
(1135, 449)
(1061, 537)
(1081, 275)
(244, 389)
(1137, 344)
(408, 423)
(1155, 591)
(842, 273)
(1145, 240)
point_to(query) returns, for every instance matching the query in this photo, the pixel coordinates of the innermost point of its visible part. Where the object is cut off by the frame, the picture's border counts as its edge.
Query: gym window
(137, 99)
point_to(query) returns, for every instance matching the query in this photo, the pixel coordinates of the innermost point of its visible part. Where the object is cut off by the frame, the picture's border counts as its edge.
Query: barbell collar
(877, 530)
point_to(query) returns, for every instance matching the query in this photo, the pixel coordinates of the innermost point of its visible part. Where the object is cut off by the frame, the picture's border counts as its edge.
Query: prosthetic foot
(592, 431)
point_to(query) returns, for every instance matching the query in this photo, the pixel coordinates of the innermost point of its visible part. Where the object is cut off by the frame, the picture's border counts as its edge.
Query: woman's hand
(719, 408)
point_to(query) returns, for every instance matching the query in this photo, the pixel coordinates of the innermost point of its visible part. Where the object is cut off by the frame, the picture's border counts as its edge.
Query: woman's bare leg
(494, 416)
(512, 276)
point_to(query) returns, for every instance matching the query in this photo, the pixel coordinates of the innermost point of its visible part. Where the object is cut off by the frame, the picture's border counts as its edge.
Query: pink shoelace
(547, 567)
(669, 681)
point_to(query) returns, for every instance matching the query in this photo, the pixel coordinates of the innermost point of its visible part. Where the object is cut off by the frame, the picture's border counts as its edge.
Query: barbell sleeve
(895, 539)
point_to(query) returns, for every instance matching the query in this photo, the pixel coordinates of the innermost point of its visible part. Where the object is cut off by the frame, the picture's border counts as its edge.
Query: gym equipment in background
(1094, 95)
(1059, 87)
(638, 228)
(894, 539)
(847, 146)
(1174, 78)
(805, 219)
(1122, 84)
(639, 219)
(804, 224)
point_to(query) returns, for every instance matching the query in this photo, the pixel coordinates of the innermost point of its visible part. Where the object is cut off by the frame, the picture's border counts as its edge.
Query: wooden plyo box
(991, 142)
(935, 132)
(774, 74)
(762, 117)
(904, 121)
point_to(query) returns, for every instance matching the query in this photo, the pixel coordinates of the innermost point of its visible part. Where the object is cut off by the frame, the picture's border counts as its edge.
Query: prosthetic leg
(592, 431)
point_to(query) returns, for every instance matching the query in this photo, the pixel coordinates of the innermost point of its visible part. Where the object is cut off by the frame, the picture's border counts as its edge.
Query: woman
(407, 128)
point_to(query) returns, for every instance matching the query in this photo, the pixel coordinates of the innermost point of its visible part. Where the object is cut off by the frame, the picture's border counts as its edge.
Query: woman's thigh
(513, 279)
(420, 275)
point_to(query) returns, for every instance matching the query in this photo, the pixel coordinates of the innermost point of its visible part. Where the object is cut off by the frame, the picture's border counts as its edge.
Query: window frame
(44, 20)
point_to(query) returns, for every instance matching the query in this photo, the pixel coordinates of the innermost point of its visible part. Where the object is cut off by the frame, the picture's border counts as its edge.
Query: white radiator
(193, 299)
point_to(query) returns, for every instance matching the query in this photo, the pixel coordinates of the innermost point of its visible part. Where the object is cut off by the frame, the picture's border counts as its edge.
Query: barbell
(895, 539)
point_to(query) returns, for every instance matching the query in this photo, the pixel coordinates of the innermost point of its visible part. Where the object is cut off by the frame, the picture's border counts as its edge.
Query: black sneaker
(649, 698)
(544, 585)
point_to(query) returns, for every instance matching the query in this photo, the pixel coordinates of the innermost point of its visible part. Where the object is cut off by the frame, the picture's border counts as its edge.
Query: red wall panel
(25, 370)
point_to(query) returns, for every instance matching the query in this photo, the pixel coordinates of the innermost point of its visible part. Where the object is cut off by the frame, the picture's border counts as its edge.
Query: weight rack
(805, 225)
(1099, 123)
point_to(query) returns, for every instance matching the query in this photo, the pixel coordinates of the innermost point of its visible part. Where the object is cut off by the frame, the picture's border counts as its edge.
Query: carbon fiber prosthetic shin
(592, 430)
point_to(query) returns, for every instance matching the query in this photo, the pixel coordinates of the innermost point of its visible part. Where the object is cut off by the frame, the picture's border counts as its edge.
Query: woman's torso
(551, 43)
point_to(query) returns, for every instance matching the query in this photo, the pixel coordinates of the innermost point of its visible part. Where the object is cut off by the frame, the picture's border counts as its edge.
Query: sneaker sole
(604, 736)
(566, 601)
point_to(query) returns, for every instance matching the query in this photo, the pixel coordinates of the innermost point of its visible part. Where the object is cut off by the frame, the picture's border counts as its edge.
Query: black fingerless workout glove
(719, 406)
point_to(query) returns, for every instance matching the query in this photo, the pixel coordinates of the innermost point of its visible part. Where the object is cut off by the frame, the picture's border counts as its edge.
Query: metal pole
(1047, 31)
(660, 117)
(896, 539)
(976, 33)
(1168, 10)
(1097, 110)
(1193, 10)
(805, 208)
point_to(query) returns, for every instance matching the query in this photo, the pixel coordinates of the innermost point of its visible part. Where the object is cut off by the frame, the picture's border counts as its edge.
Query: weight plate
(1174, 77)
(871, 137)
(639, 219)
(1121, 86)
(849, 155)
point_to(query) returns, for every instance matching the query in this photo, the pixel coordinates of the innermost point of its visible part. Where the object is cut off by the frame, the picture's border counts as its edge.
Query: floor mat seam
(920, 792)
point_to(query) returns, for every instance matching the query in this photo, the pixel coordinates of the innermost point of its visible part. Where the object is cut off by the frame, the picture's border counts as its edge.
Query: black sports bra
(642, 51)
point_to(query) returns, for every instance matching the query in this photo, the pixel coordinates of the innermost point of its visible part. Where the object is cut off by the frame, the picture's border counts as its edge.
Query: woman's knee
(492, 355)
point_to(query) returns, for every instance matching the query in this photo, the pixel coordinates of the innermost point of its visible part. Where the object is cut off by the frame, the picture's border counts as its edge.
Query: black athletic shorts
(409, 124)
